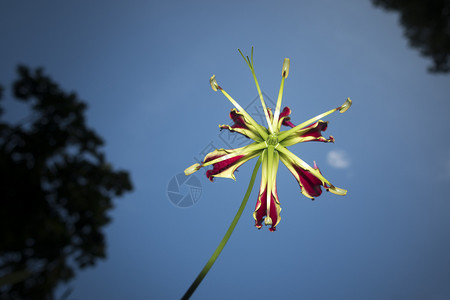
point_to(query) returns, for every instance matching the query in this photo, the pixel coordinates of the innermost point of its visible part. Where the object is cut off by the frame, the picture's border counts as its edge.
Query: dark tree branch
(56, 189)
(426, 26)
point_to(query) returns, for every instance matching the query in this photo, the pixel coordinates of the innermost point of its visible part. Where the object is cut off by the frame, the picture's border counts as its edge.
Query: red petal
(222, 165)
(316, 129)
(261, 209)
(309, 182)
(242, 126)
(238, 120)
(285, 114)
(310, 133)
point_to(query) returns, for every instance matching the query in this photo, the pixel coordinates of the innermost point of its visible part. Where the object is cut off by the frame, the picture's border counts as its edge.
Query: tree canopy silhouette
(427, 27)
(55, 191)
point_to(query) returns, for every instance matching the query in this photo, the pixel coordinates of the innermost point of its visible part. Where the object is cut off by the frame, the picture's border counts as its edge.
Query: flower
(271, 144)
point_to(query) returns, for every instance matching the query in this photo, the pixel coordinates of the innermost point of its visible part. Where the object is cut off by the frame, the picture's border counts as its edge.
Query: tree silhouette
(427, 27)
(55, 190)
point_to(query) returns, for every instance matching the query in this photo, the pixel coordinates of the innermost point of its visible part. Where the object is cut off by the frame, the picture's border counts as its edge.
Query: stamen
(284, 74)
(213, 83)
(337, 191)
(192, 169)
(285, 71)
(250, 65)
(215, 86)
(343, 108)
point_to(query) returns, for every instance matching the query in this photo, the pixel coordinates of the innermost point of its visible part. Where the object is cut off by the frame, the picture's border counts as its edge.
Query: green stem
(250, 65)
(225, 239)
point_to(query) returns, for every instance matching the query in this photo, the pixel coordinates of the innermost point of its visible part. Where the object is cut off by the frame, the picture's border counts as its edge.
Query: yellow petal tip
(344, 107)
(192, 169)
(267, 220)
(213, 83)
(337, 191)
(285, 70)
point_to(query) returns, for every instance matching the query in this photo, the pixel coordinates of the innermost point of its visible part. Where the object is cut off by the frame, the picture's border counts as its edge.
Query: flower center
(272, 139)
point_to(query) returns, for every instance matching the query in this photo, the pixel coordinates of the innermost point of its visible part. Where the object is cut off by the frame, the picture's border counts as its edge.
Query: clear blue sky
(143, 68)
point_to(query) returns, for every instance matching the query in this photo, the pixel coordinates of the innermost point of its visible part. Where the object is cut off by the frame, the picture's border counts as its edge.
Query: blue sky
(143, 68)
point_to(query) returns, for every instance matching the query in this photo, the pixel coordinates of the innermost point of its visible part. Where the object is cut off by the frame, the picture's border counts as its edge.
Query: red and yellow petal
(309, 178)
(225, 162)
(310, 185)
(268, 206)
(285, 118)
(260, 213)
(312, 132)
(243, 126)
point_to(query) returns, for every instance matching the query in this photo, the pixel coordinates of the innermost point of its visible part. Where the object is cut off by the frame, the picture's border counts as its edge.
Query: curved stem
(225, 239)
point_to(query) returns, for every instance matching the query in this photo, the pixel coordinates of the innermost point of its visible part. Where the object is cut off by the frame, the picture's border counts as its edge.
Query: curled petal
(285, 118)
(225, 162)
(312, 132)
(242, 126)
(309, 178)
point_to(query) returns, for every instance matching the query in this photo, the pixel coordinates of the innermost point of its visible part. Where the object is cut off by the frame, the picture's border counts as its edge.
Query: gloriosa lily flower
(270, 143)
